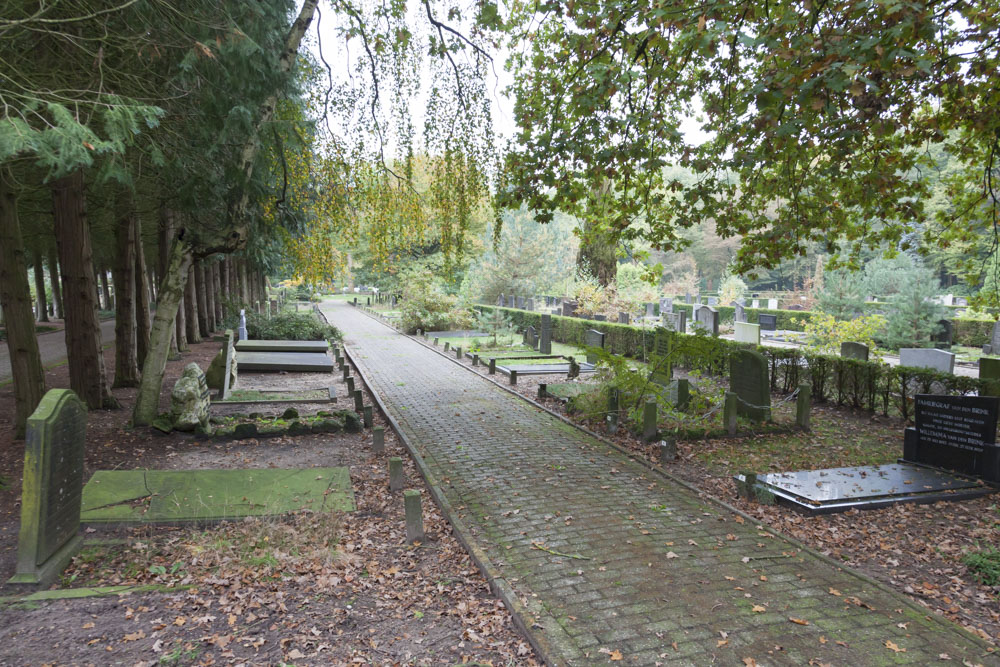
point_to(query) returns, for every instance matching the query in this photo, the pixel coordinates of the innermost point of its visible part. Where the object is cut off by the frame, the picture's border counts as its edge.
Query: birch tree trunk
(175, 277)
(15, 299)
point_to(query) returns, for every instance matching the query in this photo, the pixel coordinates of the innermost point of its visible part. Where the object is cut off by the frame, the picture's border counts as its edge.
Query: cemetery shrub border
(866, 385)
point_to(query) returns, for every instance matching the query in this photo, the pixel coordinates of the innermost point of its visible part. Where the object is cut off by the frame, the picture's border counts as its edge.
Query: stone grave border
(527, 614)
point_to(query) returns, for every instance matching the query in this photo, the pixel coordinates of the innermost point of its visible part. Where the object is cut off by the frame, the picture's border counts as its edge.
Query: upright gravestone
(993, 347)
(712, 301)
(53, 484)
(956, 433)
(569, 308)
(243, 325)
(772, 304)
(746, 333)
(944, 334)
(600, 318)
(739, 312)
(925, 357)
(545, 335)
(852, 350)
(661, 371)
(748, 378)
(767, 322)
(623, 318)
(755, 303)
(650, 310)
(529, 304)
(593, 338)
(676, 321)
(520, 302)
(666, 306)
(530, 337)
(500, 301)
(706, 318)
(687, 299)
(510, 301)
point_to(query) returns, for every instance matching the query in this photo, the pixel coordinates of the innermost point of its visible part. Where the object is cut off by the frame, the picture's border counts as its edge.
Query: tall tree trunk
(126, 362)
(15, 299)
(83, 333)
(225, 271)
(40, 301)
(108, 303)
(141, 298)
(164, 239)
(219, 294)
(57, 304)
(244, 287)
(209, 295)
(171, 288)
(191, 309)
(204, 327)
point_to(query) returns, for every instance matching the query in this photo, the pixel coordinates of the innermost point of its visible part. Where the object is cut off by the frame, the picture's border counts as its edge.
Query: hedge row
(970, 333)
(869, 385)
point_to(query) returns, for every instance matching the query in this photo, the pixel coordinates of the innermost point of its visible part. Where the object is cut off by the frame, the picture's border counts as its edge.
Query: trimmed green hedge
(869, 385)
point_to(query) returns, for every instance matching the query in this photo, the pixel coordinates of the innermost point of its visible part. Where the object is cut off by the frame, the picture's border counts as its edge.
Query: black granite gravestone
(955, 433)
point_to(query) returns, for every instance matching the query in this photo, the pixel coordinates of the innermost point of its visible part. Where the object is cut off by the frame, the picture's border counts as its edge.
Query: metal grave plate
(839, 489)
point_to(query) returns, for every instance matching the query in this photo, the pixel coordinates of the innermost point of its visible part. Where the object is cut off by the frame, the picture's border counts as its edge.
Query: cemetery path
(605, 559)
(52, 348)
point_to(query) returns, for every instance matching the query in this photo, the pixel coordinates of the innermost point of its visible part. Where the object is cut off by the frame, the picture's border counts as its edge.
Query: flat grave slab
(293, 362)
(465, 333)
(543, 369)
(564, 391)
(868, 487)
(282, 346)
(180, 496)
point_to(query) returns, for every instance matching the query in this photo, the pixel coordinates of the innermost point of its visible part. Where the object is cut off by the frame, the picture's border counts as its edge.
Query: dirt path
(52, 348)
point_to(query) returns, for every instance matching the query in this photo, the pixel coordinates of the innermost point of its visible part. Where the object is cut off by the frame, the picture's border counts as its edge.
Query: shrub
(290, 326)
(426, 306)
(825, 333)
(984, 565)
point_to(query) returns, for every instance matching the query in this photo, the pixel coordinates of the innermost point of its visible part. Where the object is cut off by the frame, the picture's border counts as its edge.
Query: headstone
(623, 318)
(274, 306)
(993, 347)
(189, 400)
(707, 319)
(748, 378)
(593, 338)
(569, 308)
(961, 301)
(52, 488)
(520, 302)
(747, 333)
(755, 303)
(661, 372)
(679, 393)
(944, 333)
(600, 318)
(500, 300)
(666, 306)
(739, 312)
(767, 322)
(649, 425)
(957, 433)
(948, 299)
(510, 301)
(650, 310)
(926, 357)
(529, 304)
(851, 350)
(772, 304)
(545, 337)
(243, 325)
(676, 321)
(687, 299)
(531, 338)
(712, 301)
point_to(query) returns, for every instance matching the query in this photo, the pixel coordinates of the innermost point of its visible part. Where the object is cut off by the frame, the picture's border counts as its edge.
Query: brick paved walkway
(668, 577)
